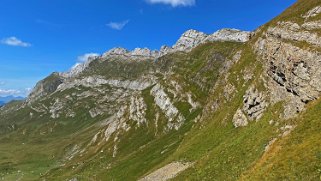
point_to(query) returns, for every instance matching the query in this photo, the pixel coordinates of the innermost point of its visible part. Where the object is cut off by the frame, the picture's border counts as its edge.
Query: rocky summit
(232, 105)
(189, 40)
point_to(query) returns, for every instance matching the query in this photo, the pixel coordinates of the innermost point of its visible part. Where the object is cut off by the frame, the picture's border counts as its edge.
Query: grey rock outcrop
(175, 119)
(313, 12)
(116, 52)
(312, 25)
(189, 40)
(94, 112)
(293, 72)
(254, 104)
(166, 50)
(56, 108)
(136, 54)
(294, 32)
(239, 119)
(299, 74)
(144, 52)
(192, 38)
(95, 81)
(228, 91)
(116, 122)
(137, 110)
(230, 35)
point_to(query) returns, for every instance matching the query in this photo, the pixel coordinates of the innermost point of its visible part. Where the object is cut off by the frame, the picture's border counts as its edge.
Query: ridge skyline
(186, 42)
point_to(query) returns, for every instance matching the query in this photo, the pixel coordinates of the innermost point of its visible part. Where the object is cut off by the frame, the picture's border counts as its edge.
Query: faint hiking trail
(167, 172)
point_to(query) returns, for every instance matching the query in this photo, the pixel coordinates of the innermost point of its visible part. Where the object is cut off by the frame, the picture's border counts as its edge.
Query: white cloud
(173, 3)
(85, 57)
(82, 63)
(13, 41)
(15, 92)
(6, 92)
(118, 25)
(28, 90)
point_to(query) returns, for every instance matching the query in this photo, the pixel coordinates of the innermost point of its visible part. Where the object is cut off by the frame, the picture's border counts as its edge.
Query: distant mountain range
(6, 99)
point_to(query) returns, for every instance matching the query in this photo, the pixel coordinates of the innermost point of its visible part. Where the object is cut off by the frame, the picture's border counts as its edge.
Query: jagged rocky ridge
(189, 40)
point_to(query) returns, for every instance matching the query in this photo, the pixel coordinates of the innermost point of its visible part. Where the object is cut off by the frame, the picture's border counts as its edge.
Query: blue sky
(38, 37)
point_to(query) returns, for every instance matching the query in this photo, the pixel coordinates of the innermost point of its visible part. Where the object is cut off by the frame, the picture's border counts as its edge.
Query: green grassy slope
(37, 145)
(222, 152)
(141, 149)
(297, 156)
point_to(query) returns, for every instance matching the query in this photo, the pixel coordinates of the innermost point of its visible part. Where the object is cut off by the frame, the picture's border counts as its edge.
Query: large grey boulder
(239, 119)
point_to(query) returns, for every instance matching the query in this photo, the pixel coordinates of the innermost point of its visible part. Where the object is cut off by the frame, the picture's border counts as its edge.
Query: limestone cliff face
(290, 55)
(46, 86)
(189, 40)
(294, 72)
(230, 35)
(137, 53)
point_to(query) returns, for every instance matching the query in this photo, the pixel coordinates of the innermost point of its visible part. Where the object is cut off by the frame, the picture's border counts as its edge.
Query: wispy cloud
(2, 83)
(82, 61)
(6, 92)
(85, 57)
(118, 25)
(27, 91)
(173, 3)
(13, 41)
(15, 92)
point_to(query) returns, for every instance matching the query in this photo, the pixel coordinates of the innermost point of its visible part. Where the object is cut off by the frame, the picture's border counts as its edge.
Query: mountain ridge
(189, 39)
